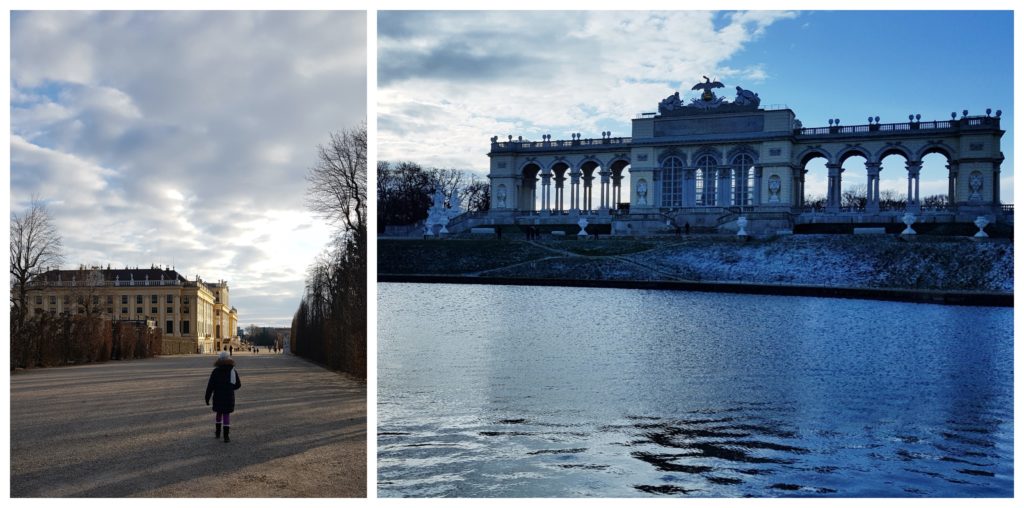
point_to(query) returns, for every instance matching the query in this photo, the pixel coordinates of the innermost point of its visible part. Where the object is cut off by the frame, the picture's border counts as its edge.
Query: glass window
(138, 310)
(707, 174)
(138, 299)
(124, 299)
(170, 310)
(170, 327)
(124, 310)
(152, 310)
(743, 180)
(170, 298)
(184, 328)
(53, 300)
(672, 182)
(110, 300)
(39, 299)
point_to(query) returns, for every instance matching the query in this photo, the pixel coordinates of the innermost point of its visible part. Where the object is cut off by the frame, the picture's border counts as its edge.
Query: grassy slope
(842, 260)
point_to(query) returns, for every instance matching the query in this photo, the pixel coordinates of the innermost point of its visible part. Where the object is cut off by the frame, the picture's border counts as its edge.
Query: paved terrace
(141, 428)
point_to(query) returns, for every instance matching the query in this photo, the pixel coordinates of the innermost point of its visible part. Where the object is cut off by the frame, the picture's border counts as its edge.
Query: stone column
(835, 185)
(560, 192)
(605, 189)
(588, 191)
(546, 192)
(574, 191)
(872, 202)
(914, 186)
(689, 187)
(758, 176)
(724, 187)
(996, 200)
(954, 170)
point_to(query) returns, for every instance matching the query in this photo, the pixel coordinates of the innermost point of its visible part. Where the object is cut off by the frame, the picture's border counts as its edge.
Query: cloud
(454, 79)
(162, 137)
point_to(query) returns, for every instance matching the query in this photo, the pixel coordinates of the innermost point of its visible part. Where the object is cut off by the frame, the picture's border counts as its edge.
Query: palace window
(153, 299)
(124, 299)
(95, 300)
(138, 299)
(184, 328)
(138, 310)
(672, 182)
(184, 310)
(170, 327)
(110, 300)
(39, 299)
(110, 310)
(53, 300)
(743, 180)
(170, 310)
(124, 310)
(707, 175)
(152, 310)
(67, 299)
(170, 298)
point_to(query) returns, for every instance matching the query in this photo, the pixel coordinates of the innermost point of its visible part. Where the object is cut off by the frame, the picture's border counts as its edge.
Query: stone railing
(990, 122)
(557, 144)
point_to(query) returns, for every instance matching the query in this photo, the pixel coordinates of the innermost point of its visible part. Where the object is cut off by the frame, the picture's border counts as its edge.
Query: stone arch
(936, 147)
(672, 178)
(813, 153)
(671, 152)
(618, 166)
(588, 167)
(853, 151)
(709, 151)
(527, 199)
(737, 151)
(888, 150)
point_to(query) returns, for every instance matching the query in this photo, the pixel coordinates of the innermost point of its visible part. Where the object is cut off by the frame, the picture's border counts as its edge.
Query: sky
(182, 139)
(449, 81)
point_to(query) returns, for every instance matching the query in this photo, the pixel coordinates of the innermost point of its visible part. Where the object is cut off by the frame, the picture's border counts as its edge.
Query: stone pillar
(996, 200)
(574, 191)
(689, 187)
(724, 187)
(545, 198)
(588, 191)
(914, 186)
(954, 170)
(873, 170)
(835, 185)
(560, 192)
(605, 189)
(758, 175)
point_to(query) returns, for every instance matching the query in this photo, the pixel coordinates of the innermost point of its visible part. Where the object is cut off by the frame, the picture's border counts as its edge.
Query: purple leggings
(225, 417)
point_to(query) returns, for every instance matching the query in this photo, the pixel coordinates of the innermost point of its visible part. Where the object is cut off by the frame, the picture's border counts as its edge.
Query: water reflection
(519, 391)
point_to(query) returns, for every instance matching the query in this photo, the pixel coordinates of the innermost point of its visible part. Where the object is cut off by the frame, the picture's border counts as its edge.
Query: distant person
(231, 351)
(686, 228)
(224, 380)
(497, 229)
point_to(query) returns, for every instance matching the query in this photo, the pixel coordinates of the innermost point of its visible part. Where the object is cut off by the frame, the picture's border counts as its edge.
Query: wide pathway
(141, 428)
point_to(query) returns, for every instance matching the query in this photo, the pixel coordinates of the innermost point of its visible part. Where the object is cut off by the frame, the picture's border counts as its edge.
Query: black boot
(217, 434)
(226, 430)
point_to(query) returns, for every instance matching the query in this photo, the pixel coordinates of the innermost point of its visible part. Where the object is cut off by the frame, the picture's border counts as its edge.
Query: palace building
(711, 161)
(196, 310)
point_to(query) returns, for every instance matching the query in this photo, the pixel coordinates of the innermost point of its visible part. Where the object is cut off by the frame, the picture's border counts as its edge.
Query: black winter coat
(221, 388)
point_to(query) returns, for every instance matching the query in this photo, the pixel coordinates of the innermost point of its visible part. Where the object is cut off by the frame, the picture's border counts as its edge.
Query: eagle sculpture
(707, 85)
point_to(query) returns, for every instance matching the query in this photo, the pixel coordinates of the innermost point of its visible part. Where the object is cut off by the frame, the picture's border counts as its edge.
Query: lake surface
(517, 391)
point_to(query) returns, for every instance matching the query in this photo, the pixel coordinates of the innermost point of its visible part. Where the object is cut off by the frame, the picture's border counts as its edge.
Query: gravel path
(141, 428)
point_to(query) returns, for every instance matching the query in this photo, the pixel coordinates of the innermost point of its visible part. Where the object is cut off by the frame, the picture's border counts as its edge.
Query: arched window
(707, 175)
(743, 180)
(672, 183)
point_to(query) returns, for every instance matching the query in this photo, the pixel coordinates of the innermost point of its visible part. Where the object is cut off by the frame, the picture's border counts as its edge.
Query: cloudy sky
(448, 81)
(183, 138)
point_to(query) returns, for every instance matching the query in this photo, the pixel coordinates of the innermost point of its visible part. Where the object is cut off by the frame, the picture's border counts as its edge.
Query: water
(542, 391)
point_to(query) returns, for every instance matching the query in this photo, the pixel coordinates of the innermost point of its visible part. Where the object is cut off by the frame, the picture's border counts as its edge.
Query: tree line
(329, 326)
(405, 191)
(856, 197)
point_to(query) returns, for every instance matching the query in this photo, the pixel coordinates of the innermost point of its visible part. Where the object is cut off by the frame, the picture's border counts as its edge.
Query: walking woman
(222, 385)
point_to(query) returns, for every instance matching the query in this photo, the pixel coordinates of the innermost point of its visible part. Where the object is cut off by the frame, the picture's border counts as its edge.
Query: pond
(517, 391)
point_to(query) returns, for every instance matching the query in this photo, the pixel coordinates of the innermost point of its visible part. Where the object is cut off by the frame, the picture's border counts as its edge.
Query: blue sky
(447, 81)
(182, 138)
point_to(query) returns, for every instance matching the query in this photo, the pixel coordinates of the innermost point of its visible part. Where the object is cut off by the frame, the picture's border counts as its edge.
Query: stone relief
(975, 182)
(746, 98)
(774, 188)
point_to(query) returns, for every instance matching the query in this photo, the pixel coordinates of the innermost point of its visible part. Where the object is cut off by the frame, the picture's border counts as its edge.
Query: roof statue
(707, 101)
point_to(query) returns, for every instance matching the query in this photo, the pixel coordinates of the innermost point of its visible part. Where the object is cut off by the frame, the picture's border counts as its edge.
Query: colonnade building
(181, 308)
(710, 161)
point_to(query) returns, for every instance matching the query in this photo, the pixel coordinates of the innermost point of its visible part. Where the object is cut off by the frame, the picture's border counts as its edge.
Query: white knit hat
(223, 355)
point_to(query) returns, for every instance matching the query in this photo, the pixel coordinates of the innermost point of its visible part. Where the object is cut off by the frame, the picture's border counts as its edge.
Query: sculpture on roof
(707, 86)
(746, 98)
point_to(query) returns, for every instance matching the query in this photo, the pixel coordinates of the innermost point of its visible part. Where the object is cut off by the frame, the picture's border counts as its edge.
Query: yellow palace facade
(181, 308)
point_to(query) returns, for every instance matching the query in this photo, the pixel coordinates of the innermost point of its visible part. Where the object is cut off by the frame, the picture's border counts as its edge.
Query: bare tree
(337, 184)
(35, 245)
(477, 195)
(447, 180)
